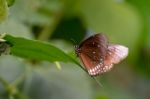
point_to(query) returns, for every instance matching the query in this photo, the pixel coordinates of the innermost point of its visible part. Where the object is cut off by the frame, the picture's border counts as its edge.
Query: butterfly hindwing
(116, 53)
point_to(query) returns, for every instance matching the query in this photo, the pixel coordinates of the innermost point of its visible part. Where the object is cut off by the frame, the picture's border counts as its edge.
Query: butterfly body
(98, 56)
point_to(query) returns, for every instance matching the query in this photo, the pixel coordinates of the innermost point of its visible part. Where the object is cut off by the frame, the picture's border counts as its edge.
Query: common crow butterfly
(98, 56)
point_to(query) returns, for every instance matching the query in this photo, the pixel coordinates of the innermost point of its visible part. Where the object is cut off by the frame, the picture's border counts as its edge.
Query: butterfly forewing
(92, 52)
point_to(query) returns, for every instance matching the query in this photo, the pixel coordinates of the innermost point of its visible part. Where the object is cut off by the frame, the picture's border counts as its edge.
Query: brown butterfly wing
(92, 53)
(116, 53)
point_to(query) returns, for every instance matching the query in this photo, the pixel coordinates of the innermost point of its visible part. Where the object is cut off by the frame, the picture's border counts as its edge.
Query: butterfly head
(77, 50)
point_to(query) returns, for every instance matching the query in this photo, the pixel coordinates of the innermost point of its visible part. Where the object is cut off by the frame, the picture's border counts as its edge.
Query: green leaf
(3, 10)
(31, 49)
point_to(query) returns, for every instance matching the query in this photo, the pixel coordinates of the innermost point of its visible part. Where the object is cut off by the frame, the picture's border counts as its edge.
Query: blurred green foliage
(3, 10)
(64, 23)
(10, 2)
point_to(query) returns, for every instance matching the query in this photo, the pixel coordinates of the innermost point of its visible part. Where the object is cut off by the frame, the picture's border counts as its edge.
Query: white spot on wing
(93, 52)
(99, 69)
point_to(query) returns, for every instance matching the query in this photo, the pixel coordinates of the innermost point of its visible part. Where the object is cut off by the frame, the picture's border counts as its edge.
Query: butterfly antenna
(98, 82)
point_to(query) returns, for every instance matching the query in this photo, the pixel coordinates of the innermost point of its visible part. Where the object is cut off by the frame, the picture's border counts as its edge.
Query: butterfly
(98, 56)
